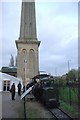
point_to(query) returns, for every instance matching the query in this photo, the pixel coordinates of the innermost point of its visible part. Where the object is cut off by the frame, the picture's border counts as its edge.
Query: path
(0, 105)
(14, 109)
(11, 109)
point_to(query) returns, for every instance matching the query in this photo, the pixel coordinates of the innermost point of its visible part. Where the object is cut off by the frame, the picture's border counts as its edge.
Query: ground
(10, 108)
(0, 106)
(15, 109)
(36, 110)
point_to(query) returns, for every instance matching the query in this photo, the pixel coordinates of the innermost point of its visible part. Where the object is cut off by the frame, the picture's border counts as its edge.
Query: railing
(69, 94)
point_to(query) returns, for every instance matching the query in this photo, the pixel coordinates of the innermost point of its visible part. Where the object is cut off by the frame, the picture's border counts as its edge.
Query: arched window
(24, 50)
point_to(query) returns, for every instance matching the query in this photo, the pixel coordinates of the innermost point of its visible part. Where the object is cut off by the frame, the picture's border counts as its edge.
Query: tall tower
(27, 44)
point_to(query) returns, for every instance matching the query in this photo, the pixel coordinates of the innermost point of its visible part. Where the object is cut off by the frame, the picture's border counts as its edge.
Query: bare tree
(16, 61)
(11, 63)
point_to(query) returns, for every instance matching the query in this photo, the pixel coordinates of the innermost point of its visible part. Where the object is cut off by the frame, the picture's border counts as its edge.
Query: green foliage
(65, 94)
(79, 74)
(59, 81)
(72, 75)
(67, 106)
(69, 99)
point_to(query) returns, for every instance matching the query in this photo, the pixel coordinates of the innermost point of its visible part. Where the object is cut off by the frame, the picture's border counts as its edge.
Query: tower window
(24, 50)
(31, 50)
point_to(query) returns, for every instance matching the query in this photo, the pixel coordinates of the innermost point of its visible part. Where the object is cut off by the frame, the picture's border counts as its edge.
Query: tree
(11, 64)
(16, 61)
(79, 89)
(79, 75)
(71, 76)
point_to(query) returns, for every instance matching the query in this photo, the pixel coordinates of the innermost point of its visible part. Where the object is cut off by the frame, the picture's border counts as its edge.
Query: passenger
(19, 88)
(13, 91)
(24, 88)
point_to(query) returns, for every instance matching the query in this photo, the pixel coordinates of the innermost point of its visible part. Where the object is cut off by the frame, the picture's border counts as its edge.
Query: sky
(57, 29)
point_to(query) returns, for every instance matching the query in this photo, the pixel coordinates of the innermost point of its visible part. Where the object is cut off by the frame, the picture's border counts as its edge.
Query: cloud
(10, 30)
(57, 29)
(59, 36)
(40, 1)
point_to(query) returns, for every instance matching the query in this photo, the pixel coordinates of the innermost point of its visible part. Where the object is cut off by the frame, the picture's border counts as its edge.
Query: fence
(69, 95)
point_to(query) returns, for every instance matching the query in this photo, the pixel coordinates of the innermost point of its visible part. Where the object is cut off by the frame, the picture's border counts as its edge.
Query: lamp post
(25, 62)
(69, 65)
(55, 71)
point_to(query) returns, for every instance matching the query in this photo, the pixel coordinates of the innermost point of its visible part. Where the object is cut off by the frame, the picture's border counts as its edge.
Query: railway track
(58, 114)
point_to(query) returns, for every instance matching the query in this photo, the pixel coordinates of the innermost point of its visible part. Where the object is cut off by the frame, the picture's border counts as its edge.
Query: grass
(65, 94)
(32, 113)
(32, 110)
(70, 109)
(20, 110)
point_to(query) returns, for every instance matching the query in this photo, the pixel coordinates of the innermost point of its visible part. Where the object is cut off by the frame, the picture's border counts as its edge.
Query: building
(10, 71)
(27, 44)
(7, 80)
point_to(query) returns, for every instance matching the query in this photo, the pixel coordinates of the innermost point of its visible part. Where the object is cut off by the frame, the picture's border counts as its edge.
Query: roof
(9, 69)
(41, 76)
(12, 79)
(4, 76)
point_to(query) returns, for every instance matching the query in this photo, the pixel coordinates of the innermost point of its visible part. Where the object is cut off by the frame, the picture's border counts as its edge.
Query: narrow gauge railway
(47, 92)
(59, 114)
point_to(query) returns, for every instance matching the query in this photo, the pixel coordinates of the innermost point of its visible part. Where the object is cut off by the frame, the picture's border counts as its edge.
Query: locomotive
(45, 90)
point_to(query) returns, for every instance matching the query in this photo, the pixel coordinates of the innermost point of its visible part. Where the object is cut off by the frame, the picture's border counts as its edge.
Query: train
(45, 90)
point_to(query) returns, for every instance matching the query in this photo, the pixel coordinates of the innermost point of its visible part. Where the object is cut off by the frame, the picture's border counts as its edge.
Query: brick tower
(27, 44)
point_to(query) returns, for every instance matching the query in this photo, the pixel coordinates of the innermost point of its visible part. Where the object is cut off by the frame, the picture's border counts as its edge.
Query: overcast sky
(57, 29)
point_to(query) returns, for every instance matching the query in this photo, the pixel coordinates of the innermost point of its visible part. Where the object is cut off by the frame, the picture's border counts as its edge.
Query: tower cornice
(27, 42)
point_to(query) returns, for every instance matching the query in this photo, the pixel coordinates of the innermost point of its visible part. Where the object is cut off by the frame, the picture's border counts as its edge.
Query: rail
(59, 114)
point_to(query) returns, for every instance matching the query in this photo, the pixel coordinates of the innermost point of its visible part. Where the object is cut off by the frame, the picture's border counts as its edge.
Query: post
(69, 94)
(55, 71)
(69, 83)
(24, 108)
(79, 59)
(25, 62)
(69, 65)
(25, 90)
